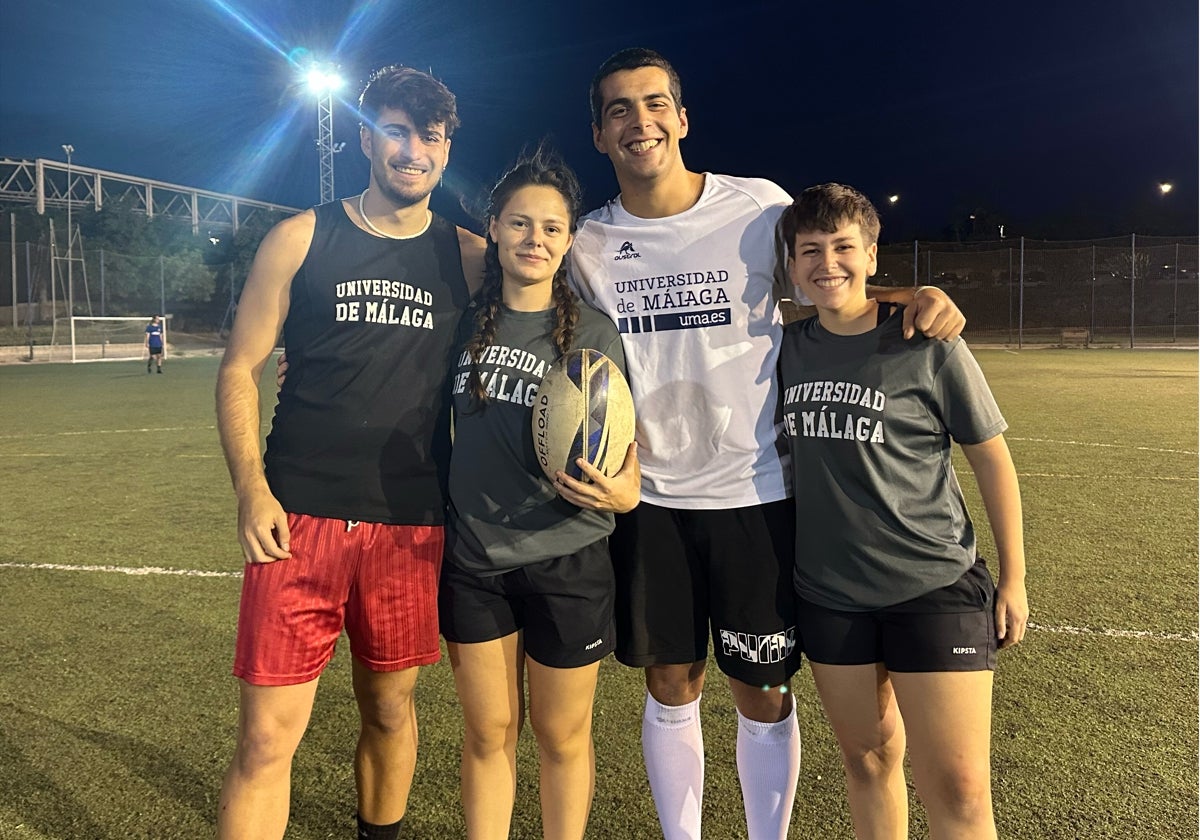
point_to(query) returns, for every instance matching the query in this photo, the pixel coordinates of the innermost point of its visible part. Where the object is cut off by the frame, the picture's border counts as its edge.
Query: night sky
(1059, 118)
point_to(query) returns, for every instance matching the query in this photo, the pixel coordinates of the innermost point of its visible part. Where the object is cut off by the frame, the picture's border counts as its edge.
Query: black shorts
(156, 351)
(564, 606)
(949, 629)
(685, 574)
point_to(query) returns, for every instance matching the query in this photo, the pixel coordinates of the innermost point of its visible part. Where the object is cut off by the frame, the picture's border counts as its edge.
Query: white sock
(768, 761)
(673, 747)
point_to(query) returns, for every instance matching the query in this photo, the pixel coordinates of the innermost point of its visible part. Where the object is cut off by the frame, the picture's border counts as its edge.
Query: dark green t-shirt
(869, 419)
(503, 511)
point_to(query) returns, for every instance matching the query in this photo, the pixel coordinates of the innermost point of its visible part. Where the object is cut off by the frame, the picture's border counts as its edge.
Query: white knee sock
(673, 747)
(768, 761)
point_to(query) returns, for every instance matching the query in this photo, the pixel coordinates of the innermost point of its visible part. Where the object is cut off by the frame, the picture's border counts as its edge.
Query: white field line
(142, 571)
(1105, 445)
(1109, 477)
(75, 456)
(107, 432)
(1068, 630)
(136, 571)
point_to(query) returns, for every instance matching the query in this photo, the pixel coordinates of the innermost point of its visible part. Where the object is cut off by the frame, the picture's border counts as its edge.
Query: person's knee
(387, 709)
(961, 793)
(490, 734)
(562, 737)
(675, 685)
(872, 763)
(266, 744)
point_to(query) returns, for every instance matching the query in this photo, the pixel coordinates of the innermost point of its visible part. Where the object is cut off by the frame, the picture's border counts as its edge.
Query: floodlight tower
(69, 150)
(324, 81)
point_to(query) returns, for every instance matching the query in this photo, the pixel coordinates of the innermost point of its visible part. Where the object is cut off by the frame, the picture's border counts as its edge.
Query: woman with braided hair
(527, 587)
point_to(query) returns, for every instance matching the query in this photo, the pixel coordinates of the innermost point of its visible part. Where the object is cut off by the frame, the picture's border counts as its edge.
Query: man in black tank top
(343, 525)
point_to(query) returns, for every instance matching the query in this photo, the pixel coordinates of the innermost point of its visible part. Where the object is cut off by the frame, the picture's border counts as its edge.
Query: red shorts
(378, 581)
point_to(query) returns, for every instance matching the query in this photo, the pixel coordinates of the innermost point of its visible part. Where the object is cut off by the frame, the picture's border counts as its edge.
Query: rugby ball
(583, 410)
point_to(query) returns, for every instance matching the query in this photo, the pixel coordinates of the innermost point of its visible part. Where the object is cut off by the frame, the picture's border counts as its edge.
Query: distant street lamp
(1165, 187)
(70, 150)
(324, 80)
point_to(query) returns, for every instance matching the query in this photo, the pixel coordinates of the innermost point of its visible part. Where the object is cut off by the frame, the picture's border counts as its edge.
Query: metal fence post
(1092, 318)
(1132, 284)
(1010, 296)
(1021, 300)
(1175, 301)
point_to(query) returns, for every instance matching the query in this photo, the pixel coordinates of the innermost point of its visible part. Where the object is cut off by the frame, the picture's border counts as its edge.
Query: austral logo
(626, 252)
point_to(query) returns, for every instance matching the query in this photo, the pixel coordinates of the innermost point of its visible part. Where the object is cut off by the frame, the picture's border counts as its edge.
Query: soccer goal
(110, 339)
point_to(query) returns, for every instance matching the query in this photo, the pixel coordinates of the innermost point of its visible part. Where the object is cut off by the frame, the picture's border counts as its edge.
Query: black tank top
(361, 428)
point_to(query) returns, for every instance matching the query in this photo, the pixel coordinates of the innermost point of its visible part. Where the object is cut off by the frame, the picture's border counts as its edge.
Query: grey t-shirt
(869, 419)
(503, 511)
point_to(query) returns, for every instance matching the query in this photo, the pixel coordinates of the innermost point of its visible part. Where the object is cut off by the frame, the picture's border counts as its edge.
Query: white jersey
(691, 295)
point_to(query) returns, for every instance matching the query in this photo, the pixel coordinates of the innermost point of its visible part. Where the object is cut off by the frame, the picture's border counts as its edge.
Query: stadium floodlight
(323, 80)
(892, 199)
(1165, 187)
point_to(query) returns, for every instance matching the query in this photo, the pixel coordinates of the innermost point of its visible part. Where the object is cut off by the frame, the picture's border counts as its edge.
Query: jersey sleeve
(962, 397)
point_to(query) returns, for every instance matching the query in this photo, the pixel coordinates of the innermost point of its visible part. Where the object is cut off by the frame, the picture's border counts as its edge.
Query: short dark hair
(426, 100)
(631, 58)
(825, 208)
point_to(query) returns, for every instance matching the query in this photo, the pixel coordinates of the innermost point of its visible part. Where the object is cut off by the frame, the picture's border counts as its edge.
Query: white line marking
(115, 432)
(123, 570)
(1120, 634)
(1104, 445)
(142, 571)
(1110, 477)
(106, 432)
(75, 456)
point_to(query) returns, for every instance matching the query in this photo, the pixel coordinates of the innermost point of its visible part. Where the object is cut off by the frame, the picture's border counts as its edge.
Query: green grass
(117, 710)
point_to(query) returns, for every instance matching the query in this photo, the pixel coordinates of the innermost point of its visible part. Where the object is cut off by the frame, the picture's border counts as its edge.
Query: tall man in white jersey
(684, 263)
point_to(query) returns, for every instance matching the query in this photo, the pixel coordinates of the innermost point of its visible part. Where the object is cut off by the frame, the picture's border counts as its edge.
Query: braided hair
(544, 169)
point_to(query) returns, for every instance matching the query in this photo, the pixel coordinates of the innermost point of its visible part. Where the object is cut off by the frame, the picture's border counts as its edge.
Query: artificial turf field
(117, 710)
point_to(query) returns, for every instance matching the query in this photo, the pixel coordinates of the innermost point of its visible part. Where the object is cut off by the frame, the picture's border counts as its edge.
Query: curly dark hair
(541, 168)
(426, 100)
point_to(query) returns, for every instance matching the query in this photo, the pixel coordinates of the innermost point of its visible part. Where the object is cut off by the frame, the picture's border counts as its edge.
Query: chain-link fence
(1128, 291)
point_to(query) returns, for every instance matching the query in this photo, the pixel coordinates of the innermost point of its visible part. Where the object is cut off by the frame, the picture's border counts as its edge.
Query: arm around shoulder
(927, 309)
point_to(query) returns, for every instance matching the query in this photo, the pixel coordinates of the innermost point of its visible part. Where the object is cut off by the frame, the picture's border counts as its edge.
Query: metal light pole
(70, 150)
(324, 83)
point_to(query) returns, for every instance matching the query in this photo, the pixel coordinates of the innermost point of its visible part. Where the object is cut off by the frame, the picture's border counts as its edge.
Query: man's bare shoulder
(300, 226)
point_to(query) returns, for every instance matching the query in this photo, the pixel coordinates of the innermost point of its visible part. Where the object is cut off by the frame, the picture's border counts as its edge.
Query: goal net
(109, 339)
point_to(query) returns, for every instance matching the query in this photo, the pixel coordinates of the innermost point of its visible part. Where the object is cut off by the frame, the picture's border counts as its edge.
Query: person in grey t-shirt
(898, 616)
(527, 584)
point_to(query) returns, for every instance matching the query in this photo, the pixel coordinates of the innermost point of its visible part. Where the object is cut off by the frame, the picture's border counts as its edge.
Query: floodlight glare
(892, 199)
(1165, 188)
(322, 82)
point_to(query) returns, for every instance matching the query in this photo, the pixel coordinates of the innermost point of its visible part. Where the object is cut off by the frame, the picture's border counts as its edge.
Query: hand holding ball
(583, 410)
